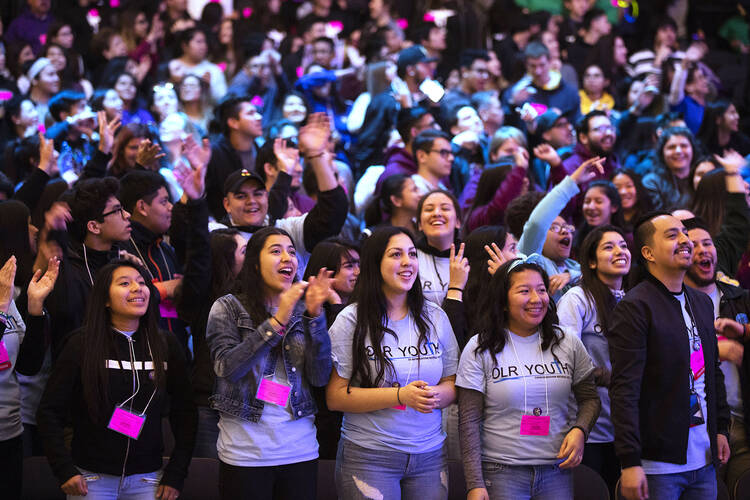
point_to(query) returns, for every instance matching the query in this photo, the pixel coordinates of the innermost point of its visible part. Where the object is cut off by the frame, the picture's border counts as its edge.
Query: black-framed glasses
(445, 153)
(117, 208)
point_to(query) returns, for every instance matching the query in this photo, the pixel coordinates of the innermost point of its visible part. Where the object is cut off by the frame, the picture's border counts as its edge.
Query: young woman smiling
(114, 379)
(389, 340)
(515, 380)
(438, 218)
(633, 196)
(669, 184)
(601, 206)
(268, 347)
(585, 309)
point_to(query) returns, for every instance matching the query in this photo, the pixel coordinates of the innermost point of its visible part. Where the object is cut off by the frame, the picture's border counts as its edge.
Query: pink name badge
(697, 364)
(399, 407)
(167, 309)
(4, 358)
(6, 95)
(531, 425)
(273, 392)
(126, 423)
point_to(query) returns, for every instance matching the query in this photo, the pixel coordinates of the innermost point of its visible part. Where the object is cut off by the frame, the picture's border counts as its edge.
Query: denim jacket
(243, 353)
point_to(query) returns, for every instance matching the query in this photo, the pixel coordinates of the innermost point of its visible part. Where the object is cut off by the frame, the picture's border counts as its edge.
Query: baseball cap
(236, 179)
(547, 120)
(413, 55)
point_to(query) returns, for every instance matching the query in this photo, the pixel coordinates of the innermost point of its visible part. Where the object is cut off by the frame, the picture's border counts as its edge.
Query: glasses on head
(559, 228)
(118, 208)
(445, 153)
(603, 129)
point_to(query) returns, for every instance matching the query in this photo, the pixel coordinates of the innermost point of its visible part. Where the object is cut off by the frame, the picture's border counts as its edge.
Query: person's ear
(141, 208)
(396, 201)
(92, 227)
(270, 169)
(647, 253)
(420, 155)
(225, 203)
(232, 123)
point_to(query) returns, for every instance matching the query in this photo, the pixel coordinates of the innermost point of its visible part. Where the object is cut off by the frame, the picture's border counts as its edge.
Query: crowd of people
(258, 221)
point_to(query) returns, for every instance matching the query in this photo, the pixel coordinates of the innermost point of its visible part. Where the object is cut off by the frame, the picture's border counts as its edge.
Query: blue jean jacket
(242, 354)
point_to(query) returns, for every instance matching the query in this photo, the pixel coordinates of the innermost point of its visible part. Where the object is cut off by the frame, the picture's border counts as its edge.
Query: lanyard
(541, 355)
(695, 340)
(136, 377)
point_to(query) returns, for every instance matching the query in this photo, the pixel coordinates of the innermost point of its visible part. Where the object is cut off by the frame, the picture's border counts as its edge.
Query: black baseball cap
(413, 55)
(236, 179)
(547, 120)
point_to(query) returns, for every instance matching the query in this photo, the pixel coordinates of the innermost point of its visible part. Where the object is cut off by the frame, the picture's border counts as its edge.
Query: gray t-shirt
(391, 429)
(514, 384)
(434, 274)
(578, 314)
(699, 444)
(10, 393)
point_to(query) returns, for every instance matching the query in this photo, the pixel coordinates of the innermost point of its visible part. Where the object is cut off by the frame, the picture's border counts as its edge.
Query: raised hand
(521, 158)
(588, 170)
(496, 258)
(41, 286)
(288, 299)
(107, 131)
(313, 137)
(148, 154)
(459, 267)
(7, 280)
(197, 154)
(287, 156)
(48, 156)
(732, 161)
(547, 153)
(319, 290)
(191, 180)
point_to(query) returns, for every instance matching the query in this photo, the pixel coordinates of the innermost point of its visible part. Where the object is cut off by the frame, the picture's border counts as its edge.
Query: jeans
(697, 484)
(527, 482)
(105, 486)
(207, 433)
(362, 473)
(279, 482)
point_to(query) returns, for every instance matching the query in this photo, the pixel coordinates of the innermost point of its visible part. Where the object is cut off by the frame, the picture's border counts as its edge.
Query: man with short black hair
(474, 78)
(434, 155)
(234, 149)
(542, 85)
(400, 160)
(99, 221)
(669, 405)
(595, 26)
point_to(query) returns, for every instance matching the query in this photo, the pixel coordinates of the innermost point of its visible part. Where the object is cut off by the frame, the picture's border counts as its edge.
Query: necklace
(440, 279)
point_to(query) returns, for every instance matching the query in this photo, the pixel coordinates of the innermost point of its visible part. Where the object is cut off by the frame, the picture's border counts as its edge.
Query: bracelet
(455, 288)
(315, 156)
(282, 325)
(398, 397)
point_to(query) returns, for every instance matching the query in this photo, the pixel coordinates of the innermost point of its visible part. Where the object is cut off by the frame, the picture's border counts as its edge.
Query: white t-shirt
(699, 444)
(391, 429)
(276, 439)
(434, 274)
(515, 383)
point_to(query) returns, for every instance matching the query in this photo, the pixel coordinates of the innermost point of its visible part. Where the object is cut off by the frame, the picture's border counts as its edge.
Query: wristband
(455, 288)
(282, 326)
(312, 157)
(398, 397)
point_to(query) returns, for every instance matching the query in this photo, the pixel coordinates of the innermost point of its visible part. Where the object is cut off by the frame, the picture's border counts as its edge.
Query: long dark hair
(372, 309)
(596, 290)
(489, 182)
(328, 254)
(381, 207)
(100, 343)
(492, 324)
(477, 284)
(223, 246)
(249, 287)
(708, 203)
(642, 199)
(708, 134)
(14, 239)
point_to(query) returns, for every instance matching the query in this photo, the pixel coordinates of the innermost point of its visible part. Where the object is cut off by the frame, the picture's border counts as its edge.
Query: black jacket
(99, 449)
(731, 241)
(224, 160)
(650, 394)
(735, 302)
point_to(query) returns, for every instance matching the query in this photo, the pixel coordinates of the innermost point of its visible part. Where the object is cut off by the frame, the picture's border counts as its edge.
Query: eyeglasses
(559, 228)
(117, 208)
(603, 129)
(445, 153)
(561, 124)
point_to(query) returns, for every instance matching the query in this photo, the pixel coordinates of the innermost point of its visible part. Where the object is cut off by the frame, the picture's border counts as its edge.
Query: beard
(701, 282)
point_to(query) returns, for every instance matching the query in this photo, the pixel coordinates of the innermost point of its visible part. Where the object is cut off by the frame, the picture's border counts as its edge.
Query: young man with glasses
(98, 221)
(596, 138)
(434, 157)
